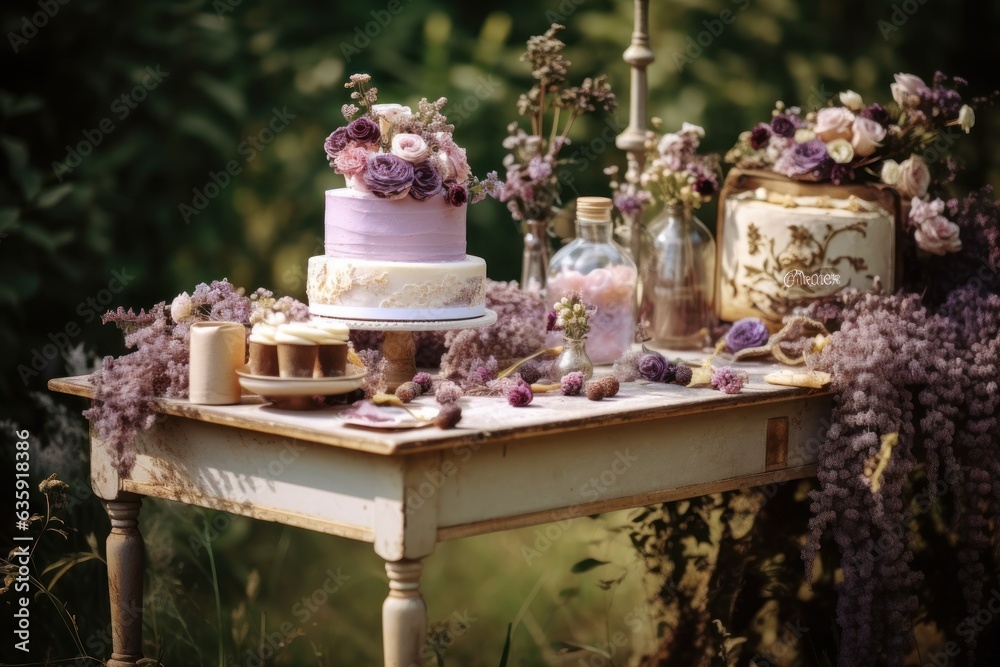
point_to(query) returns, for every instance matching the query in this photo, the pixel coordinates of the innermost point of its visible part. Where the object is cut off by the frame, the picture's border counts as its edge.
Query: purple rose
(810, 157)
(336, 142)
(364, 130)
(783, 126)
(456, 194)
(388, 176)
(759, 136)
(655, 368)
(426, 181)
(747, 332)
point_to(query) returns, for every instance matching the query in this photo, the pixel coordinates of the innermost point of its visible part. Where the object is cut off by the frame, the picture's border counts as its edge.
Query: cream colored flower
(851, 100)
(840, 150)
(181, 307)
(966, 118)
(890, 172)
(802, 135)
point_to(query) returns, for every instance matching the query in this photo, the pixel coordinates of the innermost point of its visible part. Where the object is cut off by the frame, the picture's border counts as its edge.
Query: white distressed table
(561, 457)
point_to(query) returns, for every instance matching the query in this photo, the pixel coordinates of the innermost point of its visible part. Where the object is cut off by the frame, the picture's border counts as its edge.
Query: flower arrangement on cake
(531, 190)
(674, 173)
(900, 144)
(392, 151)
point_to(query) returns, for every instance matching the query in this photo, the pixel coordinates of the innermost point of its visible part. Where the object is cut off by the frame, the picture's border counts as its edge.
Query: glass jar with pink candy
(603, 274)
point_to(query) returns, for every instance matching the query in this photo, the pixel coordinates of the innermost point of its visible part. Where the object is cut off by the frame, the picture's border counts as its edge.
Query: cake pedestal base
(398, 346)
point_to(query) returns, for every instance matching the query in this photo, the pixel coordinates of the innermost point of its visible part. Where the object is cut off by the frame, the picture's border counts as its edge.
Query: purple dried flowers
(448, 392)
(745, 333)
(571, 384)
(424, 381)
(626, 367)
(729, 380)
(519, 394)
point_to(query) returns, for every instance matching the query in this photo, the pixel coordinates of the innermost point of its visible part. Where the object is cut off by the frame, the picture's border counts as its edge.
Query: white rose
(914, 177)
(834, 123)
(840, 150)
(181, 307)
(890, 172)
(966, 118)
(393, 113)
(802, 135)
(851, 100)
(906, 88)
(867, 136)
(410, 147)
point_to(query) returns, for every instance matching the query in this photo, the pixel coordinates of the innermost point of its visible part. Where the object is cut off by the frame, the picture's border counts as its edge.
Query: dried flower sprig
(532, 186)
(572, 316)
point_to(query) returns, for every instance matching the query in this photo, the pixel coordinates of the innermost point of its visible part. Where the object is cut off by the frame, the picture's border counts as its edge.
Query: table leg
(404, 615)
(125, 566)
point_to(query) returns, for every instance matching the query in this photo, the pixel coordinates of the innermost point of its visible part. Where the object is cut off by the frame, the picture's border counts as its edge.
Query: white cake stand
(398, 346)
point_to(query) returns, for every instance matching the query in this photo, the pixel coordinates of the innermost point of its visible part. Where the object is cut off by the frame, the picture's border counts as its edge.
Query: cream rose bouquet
(393, 152)
(901, 144)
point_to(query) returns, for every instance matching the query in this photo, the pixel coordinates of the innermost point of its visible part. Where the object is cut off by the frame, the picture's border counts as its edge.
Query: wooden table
(561, 457)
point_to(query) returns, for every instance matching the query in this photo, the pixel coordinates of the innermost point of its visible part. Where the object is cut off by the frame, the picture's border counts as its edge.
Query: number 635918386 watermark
(20, 555)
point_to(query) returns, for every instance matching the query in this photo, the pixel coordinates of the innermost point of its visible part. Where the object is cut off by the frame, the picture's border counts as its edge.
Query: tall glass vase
(678, 280)
(535, 261)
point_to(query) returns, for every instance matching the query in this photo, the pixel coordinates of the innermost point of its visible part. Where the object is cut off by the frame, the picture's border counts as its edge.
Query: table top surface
(483, 418)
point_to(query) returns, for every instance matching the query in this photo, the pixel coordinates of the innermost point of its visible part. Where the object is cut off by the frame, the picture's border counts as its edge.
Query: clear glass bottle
(678, 280)
(604, 275)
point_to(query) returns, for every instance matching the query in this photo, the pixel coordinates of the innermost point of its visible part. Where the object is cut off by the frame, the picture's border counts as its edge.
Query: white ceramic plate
(295, 393)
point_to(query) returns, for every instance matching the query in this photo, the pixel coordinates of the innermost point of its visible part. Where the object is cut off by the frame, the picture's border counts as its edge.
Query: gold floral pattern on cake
(450, 291)
(326, 286)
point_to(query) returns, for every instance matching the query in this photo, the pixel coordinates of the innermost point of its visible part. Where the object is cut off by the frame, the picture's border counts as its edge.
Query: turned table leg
(404, 615)
(399, 350)
(125, 555)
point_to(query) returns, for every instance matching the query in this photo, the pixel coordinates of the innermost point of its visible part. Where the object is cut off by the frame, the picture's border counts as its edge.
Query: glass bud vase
(604, 276)
(574, 358)
(678, 280)
(535, 260)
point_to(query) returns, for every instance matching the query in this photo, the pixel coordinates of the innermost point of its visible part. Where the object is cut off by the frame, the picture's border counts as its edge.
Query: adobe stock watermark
(562, 13)
(901, 13)
(121, 108)
(695, 46)
(30, 25)
(363, 37)
(458, 112)
(61, 341)
(249, 148)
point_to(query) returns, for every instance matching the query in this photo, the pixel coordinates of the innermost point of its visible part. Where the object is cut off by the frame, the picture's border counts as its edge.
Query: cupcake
(263, 350)
(331, 358)
(297, 350)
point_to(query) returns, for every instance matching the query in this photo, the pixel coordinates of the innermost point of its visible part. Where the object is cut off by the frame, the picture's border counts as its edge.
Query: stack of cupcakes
(315, 349)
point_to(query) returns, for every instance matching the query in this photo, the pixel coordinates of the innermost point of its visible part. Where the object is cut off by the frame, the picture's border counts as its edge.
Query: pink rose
(834, 123)
(914, 177)
(410, 147)
(868, 136)
(452, 159)
(352, 160)
(905, 89)
(938, 235)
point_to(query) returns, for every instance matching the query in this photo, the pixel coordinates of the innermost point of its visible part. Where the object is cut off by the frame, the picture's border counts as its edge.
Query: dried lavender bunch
(375, 366)
(519, 331)
(905, 376)
(124, 388)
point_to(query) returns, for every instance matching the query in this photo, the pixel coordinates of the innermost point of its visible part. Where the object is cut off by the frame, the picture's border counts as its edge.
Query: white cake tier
(378, 290)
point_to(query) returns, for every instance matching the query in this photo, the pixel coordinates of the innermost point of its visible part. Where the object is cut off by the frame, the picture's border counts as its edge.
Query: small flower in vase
(571, 316)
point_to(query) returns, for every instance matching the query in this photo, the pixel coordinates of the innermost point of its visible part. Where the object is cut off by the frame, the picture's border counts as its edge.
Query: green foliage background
(232, 63)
